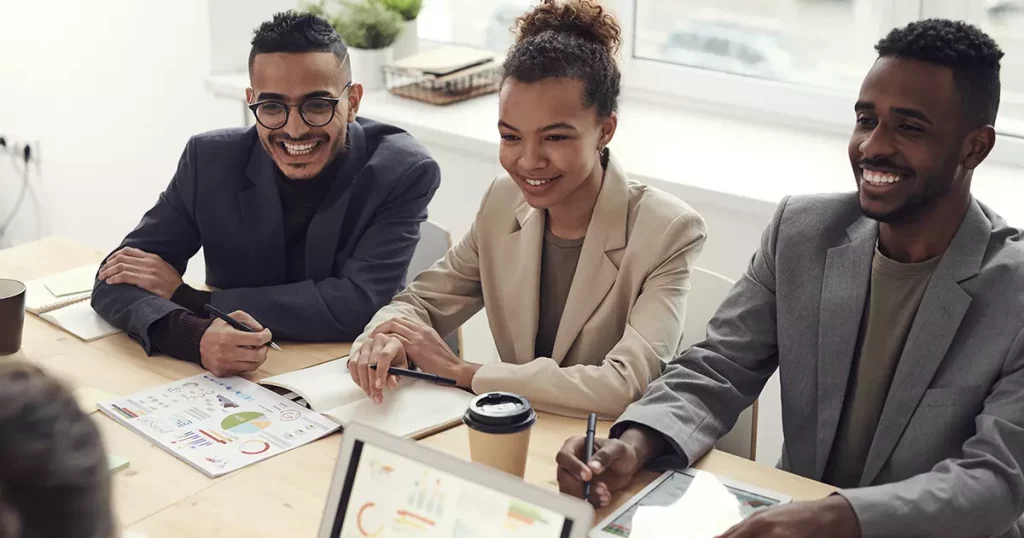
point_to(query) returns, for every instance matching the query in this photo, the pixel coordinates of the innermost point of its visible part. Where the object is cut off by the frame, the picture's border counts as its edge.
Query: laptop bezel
(579, 511)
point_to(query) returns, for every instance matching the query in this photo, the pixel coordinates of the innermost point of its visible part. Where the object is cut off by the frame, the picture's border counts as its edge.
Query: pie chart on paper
(246, 422)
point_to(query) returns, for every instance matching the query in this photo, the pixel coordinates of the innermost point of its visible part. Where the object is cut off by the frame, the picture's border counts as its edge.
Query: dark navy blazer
(224, 199)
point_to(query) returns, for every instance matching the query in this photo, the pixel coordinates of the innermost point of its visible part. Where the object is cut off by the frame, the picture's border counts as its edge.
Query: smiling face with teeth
(911, 152)
(299, 150)
(550, 144)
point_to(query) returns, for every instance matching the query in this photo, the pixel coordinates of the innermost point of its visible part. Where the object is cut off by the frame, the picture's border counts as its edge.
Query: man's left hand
(832, 517)
(424, 347)
(142, 269)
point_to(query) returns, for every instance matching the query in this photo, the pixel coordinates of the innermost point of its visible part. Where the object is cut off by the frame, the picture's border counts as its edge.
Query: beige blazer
(624, 313)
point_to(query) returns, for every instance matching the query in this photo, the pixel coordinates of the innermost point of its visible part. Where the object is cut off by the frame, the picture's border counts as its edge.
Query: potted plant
(408, 41)
(369, 29)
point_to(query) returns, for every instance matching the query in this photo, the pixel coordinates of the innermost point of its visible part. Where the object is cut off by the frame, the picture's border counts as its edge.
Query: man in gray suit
(893, 316)
(308, 220)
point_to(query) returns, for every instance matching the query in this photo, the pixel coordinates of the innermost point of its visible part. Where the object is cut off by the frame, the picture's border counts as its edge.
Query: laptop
(385, 486)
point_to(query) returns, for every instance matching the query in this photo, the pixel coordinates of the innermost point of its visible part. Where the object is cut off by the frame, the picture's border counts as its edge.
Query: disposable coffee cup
(12, 315)
(499, 431)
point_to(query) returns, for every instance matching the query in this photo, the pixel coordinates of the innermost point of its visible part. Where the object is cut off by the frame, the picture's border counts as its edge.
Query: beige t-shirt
(559, 258)
(895, 295)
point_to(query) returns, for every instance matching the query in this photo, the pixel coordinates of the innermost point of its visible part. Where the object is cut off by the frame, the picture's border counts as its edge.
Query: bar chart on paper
(217, 425)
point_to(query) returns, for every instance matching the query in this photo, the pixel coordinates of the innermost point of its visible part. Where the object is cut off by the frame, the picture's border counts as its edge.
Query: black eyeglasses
(316, 111)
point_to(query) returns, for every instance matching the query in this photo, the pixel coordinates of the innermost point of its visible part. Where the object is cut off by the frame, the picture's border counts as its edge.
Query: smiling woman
(583, 272)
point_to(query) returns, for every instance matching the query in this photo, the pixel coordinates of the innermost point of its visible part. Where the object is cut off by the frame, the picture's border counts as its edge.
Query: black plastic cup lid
(499, 412)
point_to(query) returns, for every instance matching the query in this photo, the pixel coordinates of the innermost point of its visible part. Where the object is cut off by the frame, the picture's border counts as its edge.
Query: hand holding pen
(233, 344)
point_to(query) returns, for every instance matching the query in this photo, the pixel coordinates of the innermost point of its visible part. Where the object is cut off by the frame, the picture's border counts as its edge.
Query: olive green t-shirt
(559, 258)
(894, 297)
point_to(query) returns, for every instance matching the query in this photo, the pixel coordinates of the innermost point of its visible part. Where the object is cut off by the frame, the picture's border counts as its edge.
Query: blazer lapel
(327, 224)
(263, 217)
(595, 272)
(522, 248)
(844, 292)
(938, 318)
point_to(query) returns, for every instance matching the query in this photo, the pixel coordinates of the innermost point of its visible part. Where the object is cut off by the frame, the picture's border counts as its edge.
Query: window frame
(816, 108)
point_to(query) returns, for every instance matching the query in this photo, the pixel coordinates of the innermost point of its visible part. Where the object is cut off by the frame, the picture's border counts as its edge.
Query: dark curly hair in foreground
(575, 39)
(970, 53)
(290, 31)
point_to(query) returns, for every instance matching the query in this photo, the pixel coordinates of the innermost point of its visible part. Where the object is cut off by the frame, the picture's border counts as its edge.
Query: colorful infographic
(395, 496)
(218, 425)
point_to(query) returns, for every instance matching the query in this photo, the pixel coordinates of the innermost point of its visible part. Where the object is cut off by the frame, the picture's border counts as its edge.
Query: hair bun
(583, 18)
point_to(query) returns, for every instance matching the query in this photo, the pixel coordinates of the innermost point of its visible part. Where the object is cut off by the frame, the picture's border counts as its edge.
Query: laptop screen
(386, 494)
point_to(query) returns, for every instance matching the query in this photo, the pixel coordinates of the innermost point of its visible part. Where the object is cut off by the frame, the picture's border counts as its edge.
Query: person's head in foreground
(558, 101)
(924, 122)
(301, 92)
(54, 478)
(925, 119)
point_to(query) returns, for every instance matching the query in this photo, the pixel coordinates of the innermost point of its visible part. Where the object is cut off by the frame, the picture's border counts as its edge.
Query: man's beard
(338, 149)
(915, 205)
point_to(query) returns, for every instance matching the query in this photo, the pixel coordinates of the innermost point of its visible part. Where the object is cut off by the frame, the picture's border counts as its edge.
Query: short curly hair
(575, 39)
(291, 31)
(969, 52)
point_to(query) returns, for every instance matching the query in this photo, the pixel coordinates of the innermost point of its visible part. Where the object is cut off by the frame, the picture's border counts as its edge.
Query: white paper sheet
(705, 511)
(72, 282)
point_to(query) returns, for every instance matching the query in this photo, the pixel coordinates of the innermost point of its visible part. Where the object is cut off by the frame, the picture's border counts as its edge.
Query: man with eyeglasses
(308, 220)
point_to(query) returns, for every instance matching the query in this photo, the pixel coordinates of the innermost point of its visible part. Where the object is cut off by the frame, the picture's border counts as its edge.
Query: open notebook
(63, 300)
(415, 409)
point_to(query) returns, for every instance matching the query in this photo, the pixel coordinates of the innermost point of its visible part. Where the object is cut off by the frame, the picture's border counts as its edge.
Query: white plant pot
(368, 66)
(408, 42)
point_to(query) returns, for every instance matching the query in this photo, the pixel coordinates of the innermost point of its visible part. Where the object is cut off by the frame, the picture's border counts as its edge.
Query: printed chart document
(415, 409)
(218, 425)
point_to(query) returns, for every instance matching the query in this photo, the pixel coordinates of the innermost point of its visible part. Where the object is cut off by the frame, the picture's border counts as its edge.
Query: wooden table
(159, 495)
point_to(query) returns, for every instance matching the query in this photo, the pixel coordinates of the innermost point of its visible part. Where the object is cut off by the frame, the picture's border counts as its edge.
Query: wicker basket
(445, 90)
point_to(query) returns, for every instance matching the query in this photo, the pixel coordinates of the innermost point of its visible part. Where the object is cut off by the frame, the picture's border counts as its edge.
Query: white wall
(111, 89)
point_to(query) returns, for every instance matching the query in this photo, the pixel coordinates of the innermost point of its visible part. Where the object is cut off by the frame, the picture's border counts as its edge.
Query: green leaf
(408, 9)
(368, 24)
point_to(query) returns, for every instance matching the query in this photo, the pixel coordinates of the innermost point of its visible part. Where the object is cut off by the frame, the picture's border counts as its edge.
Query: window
(803, 59)
(820, 43)
(1004, 21)
(478, 23)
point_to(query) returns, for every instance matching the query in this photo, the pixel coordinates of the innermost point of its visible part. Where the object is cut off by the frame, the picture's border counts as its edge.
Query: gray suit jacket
(947, 457)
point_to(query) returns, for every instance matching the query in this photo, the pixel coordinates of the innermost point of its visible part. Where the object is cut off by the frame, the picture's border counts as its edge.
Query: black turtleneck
(300, 200)
(178, 333)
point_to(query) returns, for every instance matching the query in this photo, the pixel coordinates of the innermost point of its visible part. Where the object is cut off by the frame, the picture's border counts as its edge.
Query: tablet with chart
(395, 496)
(218, 425)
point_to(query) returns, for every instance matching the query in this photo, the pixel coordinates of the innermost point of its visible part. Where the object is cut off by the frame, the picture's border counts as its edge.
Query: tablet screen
(671, 490)
(386, 494)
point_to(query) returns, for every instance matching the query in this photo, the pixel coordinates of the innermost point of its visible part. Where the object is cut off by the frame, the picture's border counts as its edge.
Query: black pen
(589, 448)
(415, 374)
(237, 324)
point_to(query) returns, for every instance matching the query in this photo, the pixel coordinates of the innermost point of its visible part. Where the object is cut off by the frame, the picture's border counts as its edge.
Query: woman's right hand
(383, 350)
